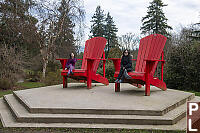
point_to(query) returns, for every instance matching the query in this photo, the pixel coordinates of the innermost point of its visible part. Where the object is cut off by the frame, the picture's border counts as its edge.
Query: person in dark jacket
(126, 66)
(70, 65)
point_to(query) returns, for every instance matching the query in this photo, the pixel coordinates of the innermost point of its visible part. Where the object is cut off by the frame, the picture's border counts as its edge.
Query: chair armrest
(119, 58)
(153, 60)
(66, 59)
(95, 59)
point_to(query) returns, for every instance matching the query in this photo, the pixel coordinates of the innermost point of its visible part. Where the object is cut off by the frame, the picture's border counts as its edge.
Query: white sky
(127, 14)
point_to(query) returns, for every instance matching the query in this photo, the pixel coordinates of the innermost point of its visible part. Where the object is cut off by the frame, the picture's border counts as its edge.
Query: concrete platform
(22, 115)
(100, 107)
(101, 100)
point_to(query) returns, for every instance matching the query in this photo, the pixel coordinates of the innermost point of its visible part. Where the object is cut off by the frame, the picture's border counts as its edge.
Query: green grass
(21, 86)
(5, 92)
(28, 85)
(79, 130)
(196, 93)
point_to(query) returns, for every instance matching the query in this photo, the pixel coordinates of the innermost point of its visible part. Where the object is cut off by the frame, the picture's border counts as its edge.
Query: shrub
(182, 68)
(115, 52)
(110, 70)
(32, 76)
(6, 84)
(53, 78)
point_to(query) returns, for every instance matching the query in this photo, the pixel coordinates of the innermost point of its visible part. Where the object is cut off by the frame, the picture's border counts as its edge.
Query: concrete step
(64, 110)
(22, 115)
(9, 121)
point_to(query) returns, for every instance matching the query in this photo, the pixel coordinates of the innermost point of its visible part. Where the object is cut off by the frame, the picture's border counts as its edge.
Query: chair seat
(133, 73)
(75, 71)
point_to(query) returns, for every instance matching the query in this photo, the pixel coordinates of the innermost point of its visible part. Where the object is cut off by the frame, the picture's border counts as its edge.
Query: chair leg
(65, 85)
(139, 85)
(147, 78)
(147, 90)
(117, 87)
(89, 78)
(89, 83)
(147, 86)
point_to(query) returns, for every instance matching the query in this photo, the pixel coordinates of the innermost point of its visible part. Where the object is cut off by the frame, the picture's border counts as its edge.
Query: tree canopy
(155, 20)
(104, 26)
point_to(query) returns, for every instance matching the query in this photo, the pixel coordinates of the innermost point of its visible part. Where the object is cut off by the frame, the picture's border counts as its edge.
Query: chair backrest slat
(150, 47)
(94, 48)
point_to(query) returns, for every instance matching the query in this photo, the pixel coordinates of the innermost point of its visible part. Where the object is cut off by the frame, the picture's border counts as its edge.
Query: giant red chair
(149, 54)
(94, 49)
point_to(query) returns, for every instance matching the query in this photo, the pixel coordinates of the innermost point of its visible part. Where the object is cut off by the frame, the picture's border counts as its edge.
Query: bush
(53, 78)
(32, 76)
(110, 70)
(182, 68)
(53, 66)
(6, 84)
(115, 52)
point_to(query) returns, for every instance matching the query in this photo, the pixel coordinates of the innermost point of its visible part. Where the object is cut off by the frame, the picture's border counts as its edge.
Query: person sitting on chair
(126, 66)
(70, 65)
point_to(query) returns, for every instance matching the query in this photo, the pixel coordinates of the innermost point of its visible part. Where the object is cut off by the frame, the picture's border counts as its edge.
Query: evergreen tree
(98, 19)
(155, 20)
(110, 33)
(17, 25)
(65, 42)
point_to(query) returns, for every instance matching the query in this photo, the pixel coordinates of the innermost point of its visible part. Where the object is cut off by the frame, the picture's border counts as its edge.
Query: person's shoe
(117, 80)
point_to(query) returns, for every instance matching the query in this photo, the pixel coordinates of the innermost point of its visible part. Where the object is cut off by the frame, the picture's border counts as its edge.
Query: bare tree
(11, 64)
(51, 23)
(128, 41)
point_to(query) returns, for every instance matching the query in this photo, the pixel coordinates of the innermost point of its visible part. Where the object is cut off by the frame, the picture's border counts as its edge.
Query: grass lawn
(196, 93)
(21, 86)
(28, 85)
(78, 130)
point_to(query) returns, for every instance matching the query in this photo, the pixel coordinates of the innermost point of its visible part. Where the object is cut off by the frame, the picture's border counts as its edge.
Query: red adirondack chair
(150, 51)
(94, 49)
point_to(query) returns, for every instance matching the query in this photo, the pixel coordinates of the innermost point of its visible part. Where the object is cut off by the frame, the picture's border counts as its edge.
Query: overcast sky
(127, 14)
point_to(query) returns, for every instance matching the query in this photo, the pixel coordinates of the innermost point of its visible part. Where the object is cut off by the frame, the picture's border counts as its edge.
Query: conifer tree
(17, 24)
(98, 19)
(65, 41)
(104, 27)
(155, 20)
(110, 33)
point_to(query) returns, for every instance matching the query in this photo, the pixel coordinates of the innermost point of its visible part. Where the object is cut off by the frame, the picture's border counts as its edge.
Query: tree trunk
(45, 62)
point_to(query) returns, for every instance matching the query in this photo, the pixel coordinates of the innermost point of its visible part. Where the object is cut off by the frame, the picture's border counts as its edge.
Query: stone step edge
(181, 102)
(77, 118)
(102, 111)
(8, 121)
(86, 111)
